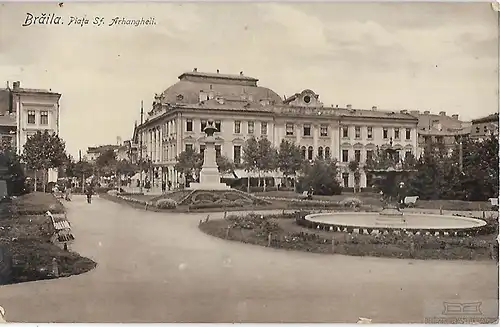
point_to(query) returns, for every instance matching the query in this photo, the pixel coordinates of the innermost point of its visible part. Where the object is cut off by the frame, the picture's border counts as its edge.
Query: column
(315, 133)
(298, 134)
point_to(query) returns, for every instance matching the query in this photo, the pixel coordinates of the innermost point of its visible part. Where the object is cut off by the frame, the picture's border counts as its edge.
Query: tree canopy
(289, 159)
(44, 150)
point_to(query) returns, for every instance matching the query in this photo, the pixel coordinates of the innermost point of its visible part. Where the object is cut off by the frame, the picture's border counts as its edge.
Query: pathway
(158, 267)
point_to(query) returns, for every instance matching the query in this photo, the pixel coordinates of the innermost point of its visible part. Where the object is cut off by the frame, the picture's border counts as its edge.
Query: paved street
(158, 267)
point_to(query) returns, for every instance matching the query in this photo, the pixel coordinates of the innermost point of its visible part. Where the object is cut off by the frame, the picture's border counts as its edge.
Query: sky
(414, 56)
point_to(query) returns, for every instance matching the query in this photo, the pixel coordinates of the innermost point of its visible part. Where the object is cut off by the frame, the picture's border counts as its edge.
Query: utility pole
(140, 148)
(461, 154)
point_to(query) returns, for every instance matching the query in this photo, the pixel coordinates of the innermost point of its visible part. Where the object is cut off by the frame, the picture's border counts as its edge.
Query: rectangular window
(44, 117)
(345, 155)
(357, 132)
(396, 133)
(369, 155)
(357, 155)
(307, 130)
(289, 129)
(385, 133)
(396, 156)
(263, 128)
(369, 132)
(407, 155)
(237, 127)
(218, 126)
(250, 127)
(189, 125)
(189, 147)
(203, 124)
(323, 130)
(237, 154)
(408, 133)
(218, 150)
(345, 132)
(31, 117)
(345, 179)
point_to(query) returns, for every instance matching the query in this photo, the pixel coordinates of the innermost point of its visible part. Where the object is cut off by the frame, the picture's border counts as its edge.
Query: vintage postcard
(260, 162)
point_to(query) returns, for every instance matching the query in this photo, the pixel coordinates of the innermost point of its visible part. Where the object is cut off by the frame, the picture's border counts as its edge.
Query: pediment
(397, 147)
(190, 139)
(346, 145)
(370, 146)
(409, 147)
(238, 140)
(358, 145)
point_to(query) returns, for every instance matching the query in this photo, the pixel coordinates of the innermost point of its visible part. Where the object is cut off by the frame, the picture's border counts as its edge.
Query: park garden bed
(27, 249)
(282, 231)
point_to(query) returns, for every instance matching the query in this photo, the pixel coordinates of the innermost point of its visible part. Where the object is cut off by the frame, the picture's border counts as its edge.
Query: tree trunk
(83, 183)
(248, 183)
(44, 180)
(35, 179)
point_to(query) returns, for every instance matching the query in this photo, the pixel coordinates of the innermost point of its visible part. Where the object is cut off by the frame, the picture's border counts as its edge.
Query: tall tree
(189, 162)
(266, 159)
(321, 176)
(225, 165)
(250, 157)
(289, 160)
(43, 151)
(13, 171)
(106, 162)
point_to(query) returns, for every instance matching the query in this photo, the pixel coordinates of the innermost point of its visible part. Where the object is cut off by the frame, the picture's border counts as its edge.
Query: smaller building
(485, 126)
(93, 152)
(440, 128)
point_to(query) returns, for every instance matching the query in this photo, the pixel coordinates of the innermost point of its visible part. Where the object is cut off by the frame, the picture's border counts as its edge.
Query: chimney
(16, 85)
(404, 111)
(217, 71)
(415, 112)
(427, 112)
(241, 73)
(455, 116)
(336, 106)
(349, 106)
(195, 70)
(374, 108)
(442, 113)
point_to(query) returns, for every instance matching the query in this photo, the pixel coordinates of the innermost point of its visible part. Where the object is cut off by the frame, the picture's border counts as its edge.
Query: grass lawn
(288, 235)
(374, 199)
(36, 203)
(26, 237)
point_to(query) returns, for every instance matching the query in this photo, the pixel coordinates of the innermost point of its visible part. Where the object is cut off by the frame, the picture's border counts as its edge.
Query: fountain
(390, 173)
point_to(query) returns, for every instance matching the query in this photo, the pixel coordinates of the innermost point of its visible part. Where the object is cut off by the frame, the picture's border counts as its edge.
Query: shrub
(351, 202)
(166, 204)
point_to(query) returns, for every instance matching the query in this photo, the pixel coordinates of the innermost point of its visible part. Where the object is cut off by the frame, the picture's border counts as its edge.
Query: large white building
(242, 109)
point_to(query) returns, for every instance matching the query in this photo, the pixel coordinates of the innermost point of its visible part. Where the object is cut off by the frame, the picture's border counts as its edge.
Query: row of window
(44, 117)
(323, 131)
(237, 126)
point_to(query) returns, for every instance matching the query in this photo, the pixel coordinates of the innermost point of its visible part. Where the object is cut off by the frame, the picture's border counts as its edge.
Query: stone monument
(209, 174)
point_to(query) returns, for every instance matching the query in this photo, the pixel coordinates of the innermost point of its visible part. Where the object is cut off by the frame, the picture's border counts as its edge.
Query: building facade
(485, 126)
(25, 111)
(440, 128)
(242, 109)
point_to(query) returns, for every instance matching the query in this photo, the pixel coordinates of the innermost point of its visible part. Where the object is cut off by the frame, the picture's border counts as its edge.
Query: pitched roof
(487, 119)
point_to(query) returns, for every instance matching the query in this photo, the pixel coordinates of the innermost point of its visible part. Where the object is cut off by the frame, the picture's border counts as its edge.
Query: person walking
(89, 192)
(163, 187)
(169, 183)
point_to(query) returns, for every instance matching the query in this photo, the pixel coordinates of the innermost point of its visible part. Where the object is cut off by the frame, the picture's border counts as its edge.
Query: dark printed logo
(462, 309)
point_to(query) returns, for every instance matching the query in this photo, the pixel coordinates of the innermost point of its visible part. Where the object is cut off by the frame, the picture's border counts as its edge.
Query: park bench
(61, 228)
(494, 203)
(410, 201)
(305, 195)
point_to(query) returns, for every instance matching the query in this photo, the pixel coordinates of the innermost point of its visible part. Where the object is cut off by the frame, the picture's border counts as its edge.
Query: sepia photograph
(239, 162)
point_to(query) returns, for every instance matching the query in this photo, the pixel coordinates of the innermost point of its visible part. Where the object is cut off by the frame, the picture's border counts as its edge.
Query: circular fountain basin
(407, 221)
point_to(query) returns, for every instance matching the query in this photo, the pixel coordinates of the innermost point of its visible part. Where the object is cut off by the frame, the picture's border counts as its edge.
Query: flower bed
(276, 232)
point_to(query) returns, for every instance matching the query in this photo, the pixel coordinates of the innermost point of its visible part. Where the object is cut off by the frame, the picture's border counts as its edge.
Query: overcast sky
(416, 56)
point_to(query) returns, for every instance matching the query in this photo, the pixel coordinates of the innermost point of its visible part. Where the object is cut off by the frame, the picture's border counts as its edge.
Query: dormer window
(180, 97)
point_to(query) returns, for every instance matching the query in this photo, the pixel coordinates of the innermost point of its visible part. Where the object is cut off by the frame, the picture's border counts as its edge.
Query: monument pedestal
(209, 174)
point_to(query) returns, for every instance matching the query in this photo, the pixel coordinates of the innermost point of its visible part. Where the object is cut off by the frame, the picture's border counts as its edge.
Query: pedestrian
(89, 192)
(163, 186)
(169, 183)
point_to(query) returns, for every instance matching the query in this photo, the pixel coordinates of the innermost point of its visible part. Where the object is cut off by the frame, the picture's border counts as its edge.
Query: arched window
(320, 152)
(303, 149)
(327, 153)
(310, 153)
